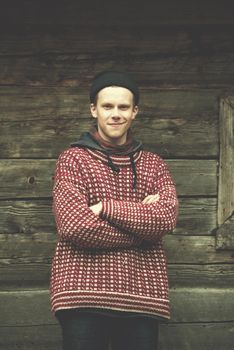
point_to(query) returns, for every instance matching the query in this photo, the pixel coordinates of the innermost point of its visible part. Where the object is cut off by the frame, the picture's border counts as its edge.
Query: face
(114, 112)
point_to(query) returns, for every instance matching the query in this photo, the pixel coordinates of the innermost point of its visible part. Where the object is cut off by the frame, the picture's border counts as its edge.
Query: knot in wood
(31, 180)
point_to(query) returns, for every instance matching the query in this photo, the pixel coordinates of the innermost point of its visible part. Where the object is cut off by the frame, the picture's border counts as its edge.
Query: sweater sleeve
(147, 221)
(75, 221)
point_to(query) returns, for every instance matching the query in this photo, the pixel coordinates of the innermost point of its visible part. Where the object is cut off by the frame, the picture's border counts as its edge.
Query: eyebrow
(120, 105)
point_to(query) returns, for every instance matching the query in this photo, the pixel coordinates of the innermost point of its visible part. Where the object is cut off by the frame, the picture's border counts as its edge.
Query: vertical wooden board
(226, 165)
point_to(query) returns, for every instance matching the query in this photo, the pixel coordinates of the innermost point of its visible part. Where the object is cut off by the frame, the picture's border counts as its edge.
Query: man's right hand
(151, 198)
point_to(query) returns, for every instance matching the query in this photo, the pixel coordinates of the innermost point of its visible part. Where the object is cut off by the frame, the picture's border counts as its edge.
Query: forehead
(115, 94)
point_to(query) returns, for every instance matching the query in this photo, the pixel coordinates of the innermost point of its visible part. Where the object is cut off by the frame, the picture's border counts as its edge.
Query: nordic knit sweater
(114, 261)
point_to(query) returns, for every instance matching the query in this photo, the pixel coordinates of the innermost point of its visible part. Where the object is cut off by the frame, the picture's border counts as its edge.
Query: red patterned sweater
(114, 261)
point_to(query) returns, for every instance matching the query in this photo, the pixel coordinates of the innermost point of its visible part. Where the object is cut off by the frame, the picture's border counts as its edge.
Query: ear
(135, 111)
(93, 110)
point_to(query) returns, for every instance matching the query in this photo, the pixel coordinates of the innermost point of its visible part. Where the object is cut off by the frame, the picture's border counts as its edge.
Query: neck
(113, 146)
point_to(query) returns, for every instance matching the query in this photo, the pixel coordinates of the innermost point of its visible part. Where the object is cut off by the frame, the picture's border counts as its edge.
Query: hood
(87, 141)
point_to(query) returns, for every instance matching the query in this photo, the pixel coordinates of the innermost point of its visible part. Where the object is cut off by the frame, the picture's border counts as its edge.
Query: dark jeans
(93, 331)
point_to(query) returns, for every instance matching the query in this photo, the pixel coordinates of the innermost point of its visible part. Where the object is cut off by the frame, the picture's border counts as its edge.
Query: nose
(115, 113)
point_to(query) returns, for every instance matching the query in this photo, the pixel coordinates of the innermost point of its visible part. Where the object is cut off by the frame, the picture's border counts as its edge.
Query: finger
(151, 199)
(147, 198)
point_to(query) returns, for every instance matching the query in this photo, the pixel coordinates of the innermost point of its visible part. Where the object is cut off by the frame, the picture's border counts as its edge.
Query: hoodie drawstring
(112, 165)
(117, 169)
(134, 170)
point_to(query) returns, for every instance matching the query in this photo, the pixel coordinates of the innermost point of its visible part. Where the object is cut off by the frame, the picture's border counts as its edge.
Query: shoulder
(72, 157)
(72, 153)
(154, 159)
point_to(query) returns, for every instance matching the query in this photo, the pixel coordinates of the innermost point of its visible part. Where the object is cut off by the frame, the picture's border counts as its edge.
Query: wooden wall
(182, 55)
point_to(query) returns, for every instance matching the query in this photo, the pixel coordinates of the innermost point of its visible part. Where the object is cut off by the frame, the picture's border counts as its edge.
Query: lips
(115, 124)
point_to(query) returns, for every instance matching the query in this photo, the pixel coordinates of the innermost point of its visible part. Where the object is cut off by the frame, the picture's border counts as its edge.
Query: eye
(107, 106)
(124, 107)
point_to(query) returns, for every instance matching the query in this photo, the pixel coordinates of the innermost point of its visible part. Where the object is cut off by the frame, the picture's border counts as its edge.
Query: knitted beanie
(113, 78)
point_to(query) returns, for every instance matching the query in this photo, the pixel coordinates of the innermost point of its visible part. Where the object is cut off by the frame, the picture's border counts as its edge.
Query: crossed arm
(103, 225)
(151, 198)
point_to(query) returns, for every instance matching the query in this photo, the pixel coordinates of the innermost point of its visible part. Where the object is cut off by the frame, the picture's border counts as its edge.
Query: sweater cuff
(107, 209)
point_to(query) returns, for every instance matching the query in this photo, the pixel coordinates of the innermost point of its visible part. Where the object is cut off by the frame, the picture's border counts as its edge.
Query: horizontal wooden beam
(213, 336)
(39, 248)
(76, 69)
(171, 137)
(25, 308)
(41, 122)
(176, 336)
(196, 216)
(35, 103)
(23, 274)
(170, 40)
(23, 178)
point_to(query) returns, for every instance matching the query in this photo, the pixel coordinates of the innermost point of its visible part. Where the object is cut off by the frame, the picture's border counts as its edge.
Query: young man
(113, 203)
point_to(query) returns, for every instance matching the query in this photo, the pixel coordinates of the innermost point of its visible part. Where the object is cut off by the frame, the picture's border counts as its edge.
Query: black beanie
(113, 78)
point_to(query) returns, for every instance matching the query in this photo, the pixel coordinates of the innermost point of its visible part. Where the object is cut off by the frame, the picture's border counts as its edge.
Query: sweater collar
(112, 157)
(126, 148)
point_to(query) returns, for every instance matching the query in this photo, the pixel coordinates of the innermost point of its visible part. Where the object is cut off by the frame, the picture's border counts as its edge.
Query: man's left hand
(96, 208)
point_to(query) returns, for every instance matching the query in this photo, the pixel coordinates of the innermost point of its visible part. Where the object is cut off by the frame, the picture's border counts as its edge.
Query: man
(113, 203)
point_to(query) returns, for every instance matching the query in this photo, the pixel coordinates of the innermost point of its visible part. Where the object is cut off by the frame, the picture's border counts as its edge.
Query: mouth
(115, 124)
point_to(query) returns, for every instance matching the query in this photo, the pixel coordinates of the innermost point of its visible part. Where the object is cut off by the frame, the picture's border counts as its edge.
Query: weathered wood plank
(170, 137)
(194, 176)
(188, 305)
(37, 103)
(20, 275)
(24, 275)
(24, 178)
(210, 336)
(207, 336)
(226, 162)
(196, 216)
(162, 40)
(43, 103)
(26, 216)
(168, 71)
(39, 248)
(176, 336)
(203, 275)
(197, 250)
(36, 337)
(169, 121)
